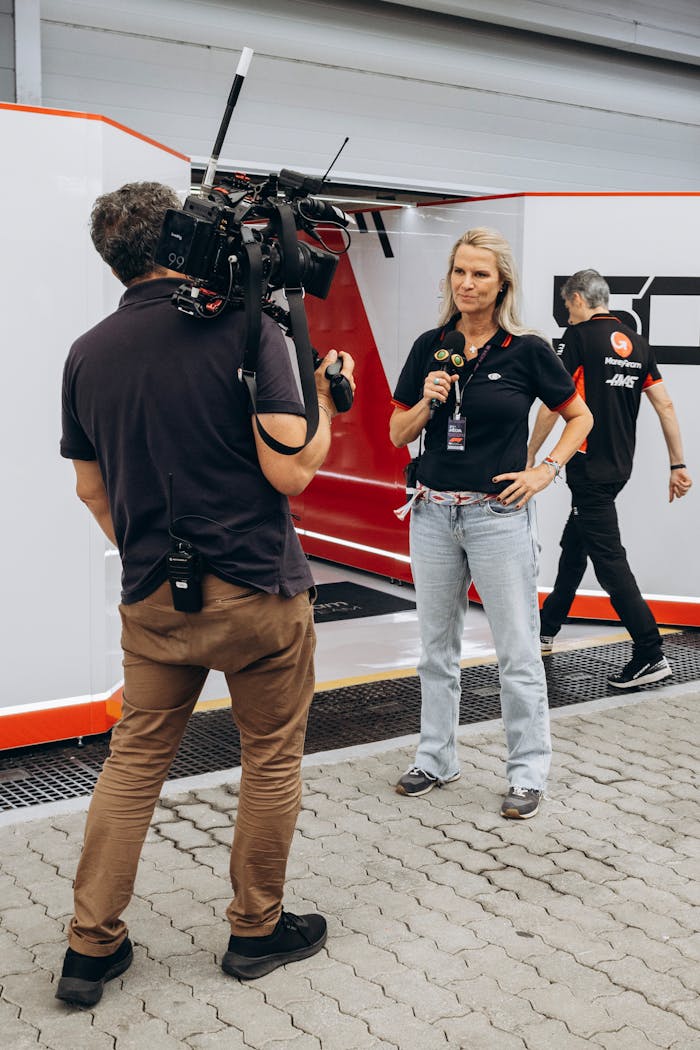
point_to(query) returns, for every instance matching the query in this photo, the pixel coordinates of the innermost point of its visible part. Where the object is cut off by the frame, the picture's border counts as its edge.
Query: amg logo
(618, 363)
(619, 380)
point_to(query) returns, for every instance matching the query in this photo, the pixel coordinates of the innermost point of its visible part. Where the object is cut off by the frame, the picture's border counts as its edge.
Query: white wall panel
(427, 100)
(58, 618)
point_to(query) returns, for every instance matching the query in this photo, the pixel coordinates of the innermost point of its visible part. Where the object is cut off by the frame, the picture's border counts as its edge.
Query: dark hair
(590, 285)
(125, 227)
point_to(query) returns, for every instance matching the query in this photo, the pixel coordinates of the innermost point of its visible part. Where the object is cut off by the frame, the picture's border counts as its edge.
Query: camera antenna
(241, 71)
(345, 142)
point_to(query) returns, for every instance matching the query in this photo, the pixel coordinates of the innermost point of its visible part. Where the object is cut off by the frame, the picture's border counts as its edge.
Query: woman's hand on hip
(524, 484)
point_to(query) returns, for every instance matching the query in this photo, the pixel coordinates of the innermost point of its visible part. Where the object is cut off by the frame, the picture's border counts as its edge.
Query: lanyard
(459, 394)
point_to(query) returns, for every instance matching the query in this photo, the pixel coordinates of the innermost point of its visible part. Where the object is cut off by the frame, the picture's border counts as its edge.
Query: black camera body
(207, 240)
(212, 238)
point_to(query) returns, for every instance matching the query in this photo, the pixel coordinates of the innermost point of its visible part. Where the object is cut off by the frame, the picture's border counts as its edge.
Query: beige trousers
(264, 644)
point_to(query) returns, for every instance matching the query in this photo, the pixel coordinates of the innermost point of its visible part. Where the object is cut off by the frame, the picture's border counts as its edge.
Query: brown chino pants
(264, 644)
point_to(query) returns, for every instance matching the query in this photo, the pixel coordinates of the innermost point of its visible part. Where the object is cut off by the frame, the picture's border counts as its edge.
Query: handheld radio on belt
(184, 567)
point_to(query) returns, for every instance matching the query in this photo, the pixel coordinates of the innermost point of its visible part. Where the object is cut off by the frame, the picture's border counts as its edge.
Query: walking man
(612, 366)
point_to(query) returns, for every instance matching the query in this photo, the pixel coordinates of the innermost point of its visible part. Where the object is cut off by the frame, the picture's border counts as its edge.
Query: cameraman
(160, 433)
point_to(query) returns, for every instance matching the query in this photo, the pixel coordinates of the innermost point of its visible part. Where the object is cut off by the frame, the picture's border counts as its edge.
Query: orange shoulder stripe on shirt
(580, 381)
(565, 403)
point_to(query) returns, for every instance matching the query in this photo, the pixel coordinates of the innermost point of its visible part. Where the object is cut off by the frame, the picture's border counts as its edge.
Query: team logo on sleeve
(621, 344)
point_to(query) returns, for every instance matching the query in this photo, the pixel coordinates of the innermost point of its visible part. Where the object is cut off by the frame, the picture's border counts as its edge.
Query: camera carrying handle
(299, 329)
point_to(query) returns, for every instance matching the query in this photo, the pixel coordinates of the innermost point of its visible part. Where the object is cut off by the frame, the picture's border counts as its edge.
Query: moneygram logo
(665, 310)
(620, 364)
(621, 344)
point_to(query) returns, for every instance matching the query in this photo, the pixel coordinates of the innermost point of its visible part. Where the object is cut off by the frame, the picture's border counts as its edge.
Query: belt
(450, 499)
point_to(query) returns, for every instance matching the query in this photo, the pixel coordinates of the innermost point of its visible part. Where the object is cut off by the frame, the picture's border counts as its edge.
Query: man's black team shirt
(611, 365)
(516, 371)
(150, 392)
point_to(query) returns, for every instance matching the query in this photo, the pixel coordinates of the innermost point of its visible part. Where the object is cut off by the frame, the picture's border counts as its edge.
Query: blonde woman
(472, 518)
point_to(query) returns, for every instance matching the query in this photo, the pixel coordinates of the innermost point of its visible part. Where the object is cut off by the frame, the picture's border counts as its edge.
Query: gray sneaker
(546, 643)
(521, 803)
(416, 781)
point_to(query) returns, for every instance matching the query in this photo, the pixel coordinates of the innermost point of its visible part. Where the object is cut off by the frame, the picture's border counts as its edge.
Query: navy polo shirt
(150, 392)
(496, 402)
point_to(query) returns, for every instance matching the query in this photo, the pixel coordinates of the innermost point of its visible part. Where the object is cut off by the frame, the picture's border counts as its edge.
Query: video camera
(208, 240)
(237, 243)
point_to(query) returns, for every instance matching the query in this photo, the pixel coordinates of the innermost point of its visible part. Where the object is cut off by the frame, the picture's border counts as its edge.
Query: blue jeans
(496, 547)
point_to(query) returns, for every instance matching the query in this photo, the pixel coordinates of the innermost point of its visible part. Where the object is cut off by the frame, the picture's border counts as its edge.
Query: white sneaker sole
(647, 679)
(401, 790)
(514, 814)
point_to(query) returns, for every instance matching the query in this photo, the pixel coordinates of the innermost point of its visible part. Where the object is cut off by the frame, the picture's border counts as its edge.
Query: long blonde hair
(506, 309)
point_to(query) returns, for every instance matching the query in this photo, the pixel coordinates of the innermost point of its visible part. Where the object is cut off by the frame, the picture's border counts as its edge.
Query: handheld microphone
(453, 343)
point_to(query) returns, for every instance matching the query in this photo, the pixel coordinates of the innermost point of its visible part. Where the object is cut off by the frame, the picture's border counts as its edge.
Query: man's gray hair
(590, 285)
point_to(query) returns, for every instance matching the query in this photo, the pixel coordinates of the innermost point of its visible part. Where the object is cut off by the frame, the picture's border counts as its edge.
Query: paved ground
(449, 927)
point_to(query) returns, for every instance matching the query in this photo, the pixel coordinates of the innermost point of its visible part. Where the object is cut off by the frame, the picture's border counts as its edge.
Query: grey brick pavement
(449, 927)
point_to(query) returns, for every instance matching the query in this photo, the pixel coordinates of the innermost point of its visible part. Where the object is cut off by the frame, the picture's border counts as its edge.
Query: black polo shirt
(150, 392)
(496, 402)
(611, 365)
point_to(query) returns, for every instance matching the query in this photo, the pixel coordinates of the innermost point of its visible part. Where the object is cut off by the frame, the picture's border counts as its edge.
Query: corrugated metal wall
(7, 52)
(428, 99)
(669, 30)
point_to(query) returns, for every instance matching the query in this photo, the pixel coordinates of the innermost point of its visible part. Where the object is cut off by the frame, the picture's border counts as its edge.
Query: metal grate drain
(343, 717)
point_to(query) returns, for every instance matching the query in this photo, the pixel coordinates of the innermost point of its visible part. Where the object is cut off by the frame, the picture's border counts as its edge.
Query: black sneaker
(521, 803)
(83, 976)
(416, 781)
(640, 672)
(294, 937)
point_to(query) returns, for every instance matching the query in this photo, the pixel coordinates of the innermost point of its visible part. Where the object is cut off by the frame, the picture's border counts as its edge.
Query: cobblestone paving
(448, 926)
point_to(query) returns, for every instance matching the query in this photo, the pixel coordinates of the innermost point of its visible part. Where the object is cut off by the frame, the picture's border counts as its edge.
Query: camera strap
(299, 328)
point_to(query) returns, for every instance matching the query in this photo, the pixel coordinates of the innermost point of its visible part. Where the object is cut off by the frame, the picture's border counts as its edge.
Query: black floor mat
(355, 714)
(348, 601)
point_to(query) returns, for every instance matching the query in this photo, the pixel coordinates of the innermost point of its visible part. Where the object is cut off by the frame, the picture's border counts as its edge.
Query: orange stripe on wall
(59, 723)
(93, 116)
(668, 612)
(583, 193)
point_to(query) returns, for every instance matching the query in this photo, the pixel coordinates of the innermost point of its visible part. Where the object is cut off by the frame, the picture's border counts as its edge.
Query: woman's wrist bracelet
(678, 466)
(327, 411)
(553, 465)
